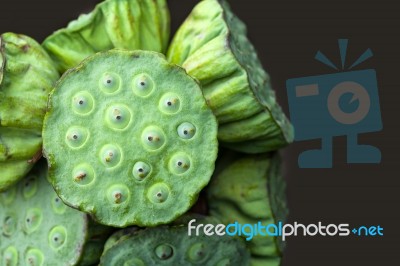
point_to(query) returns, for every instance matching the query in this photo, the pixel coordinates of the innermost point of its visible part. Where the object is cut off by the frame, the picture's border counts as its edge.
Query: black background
(287, 34)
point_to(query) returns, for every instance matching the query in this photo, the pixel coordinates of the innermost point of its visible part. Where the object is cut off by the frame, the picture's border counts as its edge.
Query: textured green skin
(141, 245)
(126, 24)
(14, 203)
(251, 189)
(96, 198)
(27, 75)
(212, 46)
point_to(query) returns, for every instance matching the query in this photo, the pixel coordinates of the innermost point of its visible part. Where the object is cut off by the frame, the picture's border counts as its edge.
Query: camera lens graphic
(359, 93)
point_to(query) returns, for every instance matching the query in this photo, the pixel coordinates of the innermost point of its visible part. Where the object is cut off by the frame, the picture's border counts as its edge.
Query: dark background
(287, 34)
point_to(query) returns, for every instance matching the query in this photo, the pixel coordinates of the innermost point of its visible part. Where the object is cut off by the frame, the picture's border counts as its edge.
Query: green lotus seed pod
(126, 24)
(251, 190)
(213, 47)
(142, 173)
(27, 75)
(171, 245)
(34, 229)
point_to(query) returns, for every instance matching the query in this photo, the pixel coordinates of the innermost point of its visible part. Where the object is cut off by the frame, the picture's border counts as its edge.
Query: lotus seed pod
(251, 190)
(122, 159)
(126, 24)
(173, 246)
(213, 47)
(37, 228)
(27, 75)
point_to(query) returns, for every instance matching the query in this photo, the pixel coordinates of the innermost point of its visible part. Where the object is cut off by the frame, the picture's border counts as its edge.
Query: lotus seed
(169, 103)
(141, 170)
(33, 220)
(30, 187)
(57, 237)
(143, 85)
(153, 138)
(58, 206)
(158, 193)
(82, 103)
(110, 155)
(118, 116)
(76, 137)
(179, 163)
(164, 251)
(118, 194)
(10, 257)
(9, 195)
(9, 225)
(198, 252)
(110, 83)
(34, 257)
(83, 174)
(186, 130)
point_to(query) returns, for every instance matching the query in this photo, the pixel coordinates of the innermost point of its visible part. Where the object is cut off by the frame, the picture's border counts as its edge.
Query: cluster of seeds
(136, 134)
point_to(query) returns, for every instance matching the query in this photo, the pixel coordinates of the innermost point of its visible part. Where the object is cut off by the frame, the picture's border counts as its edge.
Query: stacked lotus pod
(136, 135)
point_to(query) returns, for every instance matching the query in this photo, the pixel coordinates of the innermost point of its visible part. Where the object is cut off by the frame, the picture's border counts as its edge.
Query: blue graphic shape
(315, 106)
(343, 51)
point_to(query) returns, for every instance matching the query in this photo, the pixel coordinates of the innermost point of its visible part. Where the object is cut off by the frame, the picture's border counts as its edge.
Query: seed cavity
(142, 85)
(110, 82)
(158, 193)
(169, 103)
(82, 103)
(34, 257)
(141, 170)
(76, 137)
(9, 225)
(33, 219)
(57, 237)
(198, 252)
(10, 256)
(58, 206)
(186, 130)
(179, 163)
(110, 155)
(29, 188)
(118, 194)
(83, 174)
(8, 196)
(153, 138)
(118, 116)
(164, 251)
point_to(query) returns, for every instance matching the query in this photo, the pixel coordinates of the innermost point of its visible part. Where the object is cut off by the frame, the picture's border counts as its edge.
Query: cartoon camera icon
(344, 103)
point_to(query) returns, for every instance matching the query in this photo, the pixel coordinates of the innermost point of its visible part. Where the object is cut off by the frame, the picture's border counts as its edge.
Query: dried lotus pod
(213, 47)
(129, 139)
(27, 76)
(125, 24)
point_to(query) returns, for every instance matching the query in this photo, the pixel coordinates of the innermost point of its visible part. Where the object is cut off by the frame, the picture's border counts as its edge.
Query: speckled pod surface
(126, 24)
(251, 189)
(27, 75)
(37, 228)
(172, 246)
(129, 138)
(213, 47)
